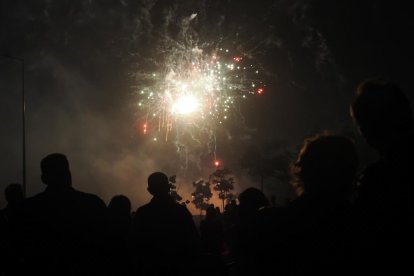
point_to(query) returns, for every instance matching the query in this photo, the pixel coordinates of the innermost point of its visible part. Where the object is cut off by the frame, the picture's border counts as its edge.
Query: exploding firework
(197, 91)
(194, 91)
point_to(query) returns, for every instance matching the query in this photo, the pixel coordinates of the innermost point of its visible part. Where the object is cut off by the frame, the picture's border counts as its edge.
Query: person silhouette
(212, 238)
(251, 200)
(385, 195)
(165, 235)
(62, 227)
(119, 213)
(9, 223)
(14, 196)
(212, 231)
(118, 245)
(218, 211)
(312, 234)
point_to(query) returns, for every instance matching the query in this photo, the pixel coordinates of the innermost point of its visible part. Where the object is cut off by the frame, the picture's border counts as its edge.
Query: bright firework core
(196, 92)
(185, 105)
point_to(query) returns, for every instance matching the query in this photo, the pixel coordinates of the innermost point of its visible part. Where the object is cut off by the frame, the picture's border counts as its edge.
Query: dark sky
(82, 57)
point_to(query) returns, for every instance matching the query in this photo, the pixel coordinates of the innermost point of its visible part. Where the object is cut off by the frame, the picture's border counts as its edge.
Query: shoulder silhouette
(164, 231)
(385, 198)
(212, 231)
(118, 243)
(251, 200)
(312, 234)
(10, 240)
(63, 227)
(14, 197)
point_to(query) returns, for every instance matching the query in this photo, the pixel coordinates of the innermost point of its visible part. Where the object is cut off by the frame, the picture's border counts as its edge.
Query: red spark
(237, 59)
(260, 90)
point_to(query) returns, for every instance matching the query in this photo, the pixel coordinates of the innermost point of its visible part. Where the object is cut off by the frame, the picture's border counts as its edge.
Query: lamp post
(23, 110)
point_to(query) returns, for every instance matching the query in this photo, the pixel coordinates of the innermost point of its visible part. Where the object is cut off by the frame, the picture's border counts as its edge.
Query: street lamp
(23, 109)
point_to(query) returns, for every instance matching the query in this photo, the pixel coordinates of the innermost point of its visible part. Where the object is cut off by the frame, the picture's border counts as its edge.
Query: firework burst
(196, 92)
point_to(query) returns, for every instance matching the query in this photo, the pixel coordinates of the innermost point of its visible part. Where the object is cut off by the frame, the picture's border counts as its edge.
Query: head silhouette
(158, 184)
(211, 213)
(252, 199)
(14, 193)
(120, 204)
(326, 165)
(55, 170)
(382, 112)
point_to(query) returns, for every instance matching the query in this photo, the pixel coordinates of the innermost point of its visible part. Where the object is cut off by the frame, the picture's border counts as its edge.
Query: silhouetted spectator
(164, 231)
(212, 237)
(218, 211)
(119, 247)
(386, 188)
(251, 201)
(231, 206)
(212, 231)
(312, 234)
(119, 214)
(14, 196)
(10, 241)
(229, 217)
(62, 227)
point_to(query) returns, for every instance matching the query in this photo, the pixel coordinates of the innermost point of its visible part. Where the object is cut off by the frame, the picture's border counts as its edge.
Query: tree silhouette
(201, 195)
(230, 196)
(173, 189)
(223, 183)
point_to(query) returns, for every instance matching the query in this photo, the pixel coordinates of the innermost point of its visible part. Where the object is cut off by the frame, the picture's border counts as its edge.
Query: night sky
(82, 58)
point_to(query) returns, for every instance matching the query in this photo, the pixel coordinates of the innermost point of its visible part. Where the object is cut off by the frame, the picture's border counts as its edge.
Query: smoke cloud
(82, 61)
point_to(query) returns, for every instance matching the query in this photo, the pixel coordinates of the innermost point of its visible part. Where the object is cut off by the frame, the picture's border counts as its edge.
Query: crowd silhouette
(341, 222)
